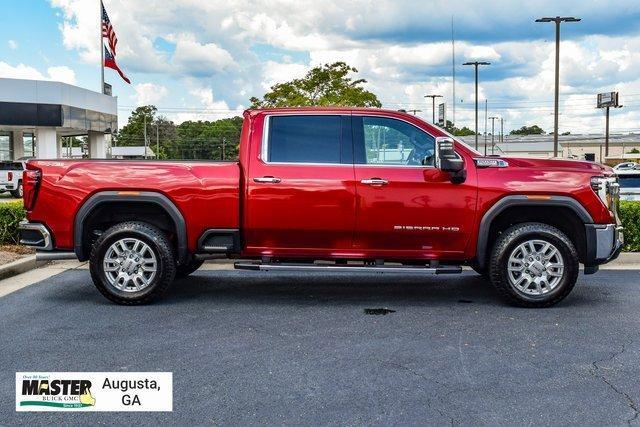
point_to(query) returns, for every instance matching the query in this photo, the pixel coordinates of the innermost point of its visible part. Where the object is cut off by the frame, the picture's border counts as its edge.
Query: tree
(528, 130)
(465, 131)
(326, 85)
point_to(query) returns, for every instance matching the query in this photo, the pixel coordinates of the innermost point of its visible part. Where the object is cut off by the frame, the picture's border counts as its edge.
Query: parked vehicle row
(329, 189)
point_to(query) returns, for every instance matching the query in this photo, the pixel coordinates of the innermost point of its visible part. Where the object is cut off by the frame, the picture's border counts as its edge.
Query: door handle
(374, 182)
(267, 179)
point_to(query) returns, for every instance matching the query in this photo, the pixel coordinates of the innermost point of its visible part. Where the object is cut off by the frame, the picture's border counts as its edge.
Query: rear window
(10, 166)
(632, 181)
(304, 139)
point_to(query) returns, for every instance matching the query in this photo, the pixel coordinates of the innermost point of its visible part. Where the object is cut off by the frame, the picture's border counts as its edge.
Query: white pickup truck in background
(11, 177)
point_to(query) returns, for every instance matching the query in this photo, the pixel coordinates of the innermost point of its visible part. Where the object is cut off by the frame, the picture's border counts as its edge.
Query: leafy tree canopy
(465, 131)
(528, 130)
(326, 85)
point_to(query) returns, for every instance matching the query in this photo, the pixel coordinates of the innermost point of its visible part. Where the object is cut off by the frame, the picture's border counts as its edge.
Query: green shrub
(630, 217)
(11, 213)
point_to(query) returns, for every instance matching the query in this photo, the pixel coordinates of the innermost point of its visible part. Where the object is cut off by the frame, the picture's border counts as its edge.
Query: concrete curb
(18, 266)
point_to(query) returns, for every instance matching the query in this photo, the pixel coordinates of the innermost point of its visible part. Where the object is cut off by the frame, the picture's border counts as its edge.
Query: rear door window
(308, 139)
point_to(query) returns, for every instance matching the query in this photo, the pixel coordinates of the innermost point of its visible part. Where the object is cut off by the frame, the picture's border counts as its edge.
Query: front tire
(534, 265)
(132, 263)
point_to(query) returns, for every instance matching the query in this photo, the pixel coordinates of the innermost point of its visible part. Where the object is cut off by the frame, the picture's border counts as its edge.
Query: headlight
(607, 189)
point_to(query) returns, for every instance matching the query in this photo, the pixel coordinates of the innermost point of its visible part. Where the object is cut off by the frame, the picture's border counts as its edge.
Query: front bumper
(603, 243)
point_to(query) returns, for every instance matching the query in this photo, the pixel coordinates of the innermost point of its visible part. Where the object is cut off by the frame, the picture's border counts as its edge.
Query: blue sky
(203, 59)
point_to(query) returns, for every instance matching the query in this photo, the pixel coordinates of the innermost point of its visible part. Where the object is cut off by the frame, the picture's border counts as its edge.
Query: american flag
(107, 30)
(110, 61)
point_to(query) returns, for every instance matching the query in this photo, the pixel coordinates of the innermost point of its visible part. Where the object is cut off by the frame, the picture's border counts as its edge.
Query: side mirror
(447, 160)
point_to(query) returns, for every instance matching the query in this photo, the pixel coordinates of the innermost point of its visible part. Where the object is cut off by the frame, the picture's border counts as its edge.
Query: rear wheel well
(107, 214)
(562, 218)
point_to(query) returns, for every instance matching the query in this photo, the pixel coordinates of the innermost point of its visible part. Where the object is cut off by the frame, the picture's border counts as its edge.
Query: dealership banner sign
(94, 391)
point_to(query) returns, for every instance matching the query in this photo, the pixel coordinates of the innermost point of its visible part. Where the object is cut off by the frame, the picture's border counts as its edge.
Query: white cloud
(401, 47)
(21, 71)
(199, 59)
(13, 45)
(149, 93)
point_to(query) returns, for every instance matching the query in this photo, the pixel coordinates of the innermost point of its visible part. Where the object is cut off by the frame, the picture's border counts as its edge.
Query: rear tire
(533, 265)
(18, 192)
(132, 263)
(186, 269)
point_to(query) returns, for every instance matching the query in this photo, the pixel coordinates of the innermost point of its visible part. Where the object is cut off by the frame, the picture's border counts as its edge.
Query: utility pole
(606, 131)
(224, 142)
(415, 112)
(145, 136)
(157, 140)
(501, 130)
(453, 72)
(557, 20)
(486, 110)
(475, 64)
(433, 106)
(101, 47)
(493, 121)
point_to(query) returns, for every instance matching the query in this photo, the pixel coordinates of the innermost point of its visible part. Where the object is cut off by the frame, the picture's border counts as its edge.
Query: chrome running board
(333, 268)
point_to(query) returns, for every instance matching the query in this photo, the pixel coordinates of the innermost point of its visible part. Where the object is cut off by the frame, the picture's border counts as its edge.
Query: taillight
(30, 185)
(9, 176)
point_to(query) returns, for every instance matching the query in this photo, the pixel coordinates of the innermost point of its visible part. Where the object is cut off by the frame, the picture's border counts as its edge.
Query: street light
(475, 64)
(493, 119)
(557, 20)
(433, 106)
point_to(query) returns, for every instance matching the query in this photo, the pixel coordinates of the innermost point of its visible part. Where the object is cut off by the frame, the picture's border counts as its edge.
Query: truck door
(300, 186)
(406, 207)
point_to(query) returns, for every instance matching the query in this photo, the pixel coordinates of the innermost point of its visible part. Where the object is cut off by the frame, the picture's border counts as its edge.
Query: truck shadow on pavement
(336, 289)
(219, 287)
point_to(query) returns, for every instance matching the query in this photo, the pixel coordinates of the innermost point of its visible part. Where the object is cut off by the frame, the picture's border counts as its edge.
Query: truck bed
(198, 189)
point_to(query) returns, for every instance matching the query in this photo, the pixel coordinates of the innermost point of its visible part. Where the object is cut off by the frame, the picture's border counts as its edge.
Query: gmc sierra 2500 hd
(329, 189)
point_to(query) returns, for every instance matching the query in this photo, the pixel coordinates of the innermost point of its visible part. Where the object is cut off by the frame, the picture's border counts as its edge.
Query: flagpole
(101, 46)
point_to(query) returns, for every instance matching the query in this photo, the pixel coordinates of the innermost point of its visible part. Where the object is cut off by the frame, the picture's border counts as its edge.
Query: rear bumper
(36, 235)
(604, 243)
(7, 186)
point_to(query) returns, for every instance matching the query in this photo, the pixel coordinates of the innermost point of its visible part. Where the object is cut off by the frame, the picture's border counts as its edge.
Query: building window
(6, 153)
(29, 144)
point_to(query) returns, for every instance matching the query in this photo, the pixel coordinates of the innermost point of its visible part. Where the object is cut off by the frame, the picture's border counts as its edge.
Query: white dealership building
(36, 114)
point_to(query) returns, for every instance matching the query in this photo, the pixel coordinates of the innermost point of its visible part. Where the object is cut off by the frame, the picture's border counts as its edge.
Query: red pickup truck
(329, 189)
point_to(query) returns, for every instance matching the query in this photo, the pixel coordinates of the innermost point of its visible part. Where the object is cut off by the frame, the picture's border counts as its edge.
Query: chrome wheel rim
(130, 265)
(535, 267)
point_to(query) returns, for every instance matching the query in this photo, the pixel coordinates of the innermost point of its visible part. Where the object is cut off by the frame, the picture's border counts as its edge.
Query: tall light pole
(475, 64)
(557, 20)
(493, 121)
(433, 106)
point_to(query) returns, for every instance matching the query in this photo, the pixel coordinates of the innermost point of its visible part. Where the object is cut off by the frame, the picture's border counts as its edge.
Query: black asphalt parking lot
(265, 348)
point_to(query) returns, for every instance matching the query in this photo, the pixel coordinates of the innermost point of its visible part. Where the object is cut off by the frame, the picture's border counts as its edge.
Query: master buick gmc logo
(57, 393)
(425, 228)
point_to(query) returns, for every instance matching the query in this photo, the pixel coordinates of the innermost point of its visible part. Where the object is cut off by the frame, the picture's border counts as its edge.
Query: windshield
(11, 166)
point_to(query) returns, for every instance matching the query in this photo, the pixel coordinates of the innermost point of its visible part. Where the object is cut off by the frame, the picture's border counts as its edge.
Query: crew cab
(329, 190)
